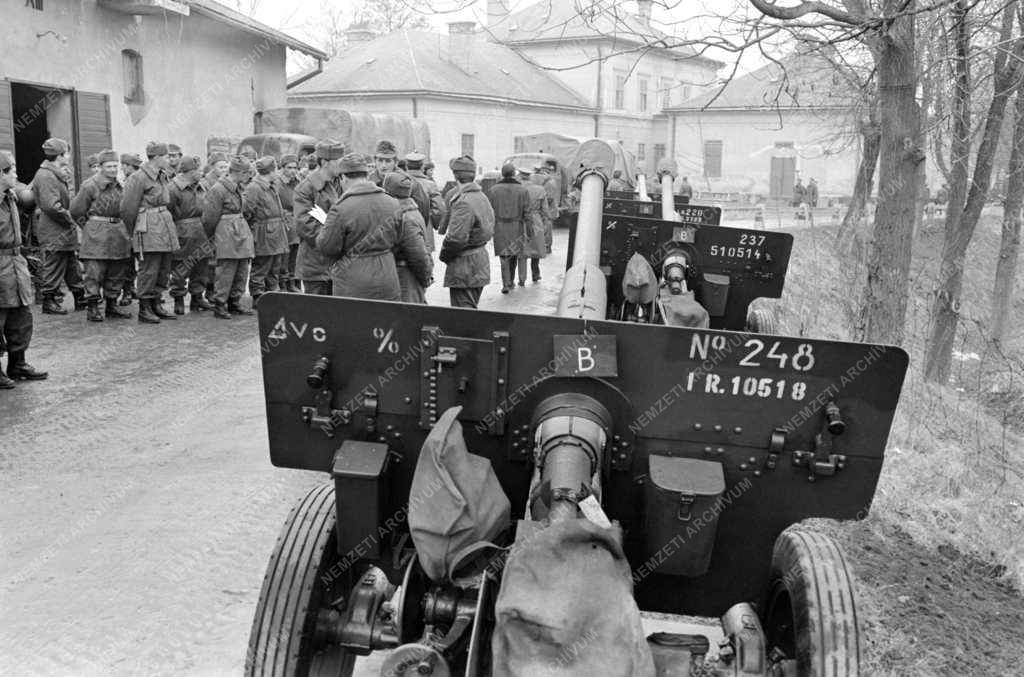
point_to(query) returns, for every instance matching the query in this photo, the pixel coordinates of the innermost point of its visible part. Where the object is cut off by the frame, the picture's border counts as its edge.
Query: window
(643, 95)
(666, 92)
(641, 151)
(131, 63)
(467, 145)
(713, 159)
(620, 91)
(659, 151)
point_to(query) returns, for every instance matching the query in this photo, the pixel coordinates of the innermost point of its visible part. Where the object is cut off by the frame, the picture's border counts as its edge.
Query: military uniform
(56, 233)
(286, 192)
(106, 245)
(512, 223)
(414, 274)
(470, 227)
(233, 243)
(437, 206)
(317, 189)
(265, 214)
(535, 246)
(191, 262)
(154, 237)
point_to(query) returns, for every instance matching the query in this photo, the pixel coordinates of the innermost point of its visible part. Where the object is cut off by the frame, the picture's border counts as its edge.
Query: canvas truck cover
(564, 148)
(358, 131)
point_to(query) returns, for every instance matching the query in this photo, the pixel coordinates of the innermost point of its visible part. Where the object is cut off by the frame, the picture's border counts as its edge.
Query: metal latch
(445, 355)
(686, 499)
(321, 414)
(823, 461)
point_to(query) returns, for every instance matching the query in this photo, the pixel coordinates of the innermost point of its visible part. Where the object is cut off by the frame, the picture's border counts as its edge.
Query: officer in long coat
(321, 188)
(15, 285)
(106, 246)
(190, 267)
(535, 245)
(154, 237)
(470, 226)
(286, 181)
(414, 275)
(56, 230)
(224, 221)
(360, 234)
(512, 223)
(265, 214)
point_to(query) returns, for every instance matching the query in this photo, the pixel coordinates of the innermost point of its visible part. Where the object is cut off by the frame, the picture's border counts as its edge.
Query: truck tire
(298, 586)
(761, 321)
(810, 619)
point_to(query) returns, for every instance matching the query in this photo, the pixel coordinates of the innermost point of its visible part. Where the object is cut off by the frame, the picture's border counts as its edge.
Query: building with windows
(118, 73)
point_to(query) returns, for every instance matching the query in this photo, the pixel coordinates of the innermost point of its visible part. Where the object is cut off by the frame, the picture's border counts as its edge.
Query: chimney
(460, 35)
(359, 33)
(643, 11)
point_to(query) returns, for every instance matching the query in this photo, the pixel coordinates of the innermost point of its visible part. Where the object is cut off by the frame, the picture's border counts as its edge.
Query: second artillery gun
(706, 447)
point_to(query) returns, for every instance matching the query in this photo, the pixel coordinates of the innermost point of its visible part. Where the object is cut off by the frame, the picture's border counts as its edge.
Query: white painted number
(805, 351)
(748, 361)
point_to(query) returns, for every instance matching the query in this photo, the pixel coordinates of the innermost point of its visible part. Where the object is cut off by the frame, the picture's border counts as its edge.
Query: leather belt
(105, 219)
(191, 219)
(16, 251)
(153, 209)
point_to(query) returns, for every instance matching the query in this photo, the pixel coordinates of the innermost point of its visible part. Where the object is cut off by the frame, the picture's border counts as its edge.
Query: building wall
(823, 146)
(201, 77)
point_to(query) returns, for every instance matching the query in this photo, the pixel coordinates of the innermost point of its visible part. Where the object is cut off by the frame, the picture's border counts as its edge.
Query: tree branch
(770, 9)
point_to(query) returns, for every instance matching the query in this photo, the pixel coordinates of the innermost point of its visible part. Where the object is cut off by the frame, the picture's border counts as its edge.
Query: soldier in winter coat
(56, 230)
(470, 226)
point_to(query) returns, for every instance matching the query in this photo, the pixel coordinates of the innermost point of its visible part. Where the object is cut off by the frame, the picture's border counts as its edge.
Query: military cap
(466, 163)
(173, 148)
(132, 159)
(54, 146)
(248, 154)
(218, 157)
(188, 163)
(415, 156)
(311, 161)
(265, 164)
(329, 149)
(239, 164)
(353, 163)
(385, 149)
(155, 148)
(93, 160)
(508, 170)
(289, 158)
(5, 162)
(398, 184)
(105, 156)
(429, 164)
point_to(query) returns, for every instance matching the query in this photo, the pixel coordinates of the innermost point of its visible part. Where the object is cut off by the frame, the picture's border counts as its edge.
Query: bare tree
(386, 16)
(1009, 246)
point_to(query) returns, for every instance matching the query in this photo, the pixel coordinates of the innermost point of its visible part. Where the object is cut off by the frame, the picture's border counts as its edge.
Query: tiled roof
(221, 12)
(433, 64)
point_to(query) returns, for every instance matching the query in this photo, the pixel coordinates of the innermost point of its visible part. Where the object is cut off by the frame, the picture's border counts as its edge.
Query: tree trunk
(946, 305)
(871, 136)
(885, 300)
(1009, 245)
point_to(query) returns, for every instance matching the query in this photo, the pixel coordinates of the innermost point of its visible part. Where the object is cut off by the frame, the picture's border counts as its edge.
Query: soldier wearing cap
(56, 230)
(173, 159)
(322, 188)
(224, 221)
(154, 237)
(15, 284)
(535, 243)
(218, 167)
(93, 161)
(360, 234)
(513, 224)
(470, 226)
(385, 160)
(428, 170)
(416, 274)
(106, 246)
(435, 217)
(286, 181)
(265, 214)
(191, 262)
(130, 163)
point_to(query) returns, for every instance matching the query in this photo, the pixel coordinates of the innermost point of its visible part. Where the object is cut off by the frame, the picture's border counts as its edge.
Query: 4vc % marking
(386, 339)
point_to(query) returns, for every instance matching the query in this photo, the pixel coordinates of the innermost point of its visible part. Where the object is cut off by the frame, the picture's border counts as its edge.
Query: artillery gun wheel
(762, 321)
(299, 586)
(810, 621)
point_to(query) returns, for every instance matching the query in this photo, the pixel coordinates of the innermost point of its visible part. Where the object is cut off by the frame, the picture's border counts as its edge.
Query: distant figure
(812, 193)
(799, 193)
(470, 226)
(685, 189)
(617, 184)
(511, 203)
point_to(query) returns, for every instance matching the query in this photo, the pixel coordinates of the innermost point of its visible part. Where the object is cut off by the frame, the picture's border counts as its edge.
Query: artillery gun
(706, 447)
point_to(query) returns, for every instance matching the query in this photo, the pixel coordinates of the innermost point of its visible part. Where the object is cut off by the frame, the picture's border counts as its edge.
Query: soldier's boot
(146, 313)
(94, 314)
(220, 312)
(179, 305)
(52, 307)
(116, 313)
(20, 370)
(80, 302)
(158, 310)
(199, 303)
(5, 382)
(237, 309)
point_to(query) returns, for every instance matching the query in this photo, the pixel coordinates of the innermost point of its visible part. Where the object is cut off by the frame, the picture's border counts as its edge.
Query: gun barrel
(584, 291)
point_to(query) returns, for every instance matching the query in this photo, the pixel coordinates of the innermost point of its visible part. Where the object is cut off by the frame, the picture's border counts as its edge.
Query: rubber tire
(761, 321)
(281, 642)
(822, 611)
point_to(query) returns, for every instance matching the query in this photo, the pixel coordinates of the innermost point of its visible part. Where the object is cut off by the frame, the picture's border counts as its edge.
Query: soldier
(15, 285)
(93, 161)
(56, 230)
(470, 226)
(799, 193)
(385, 159)
(360, 234)
(322, 188)
(812, 193)
(537, 245)
(512, 223)
(218, 168)
(287, 180)
(106, 246)
(428, 170)
(191, 262)
(154, 237)
(416, 274)
(173, 159)
(130, 163)
(685, 189)
(617, 184)
(265, 214)
(435, 217)
(223, 221)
